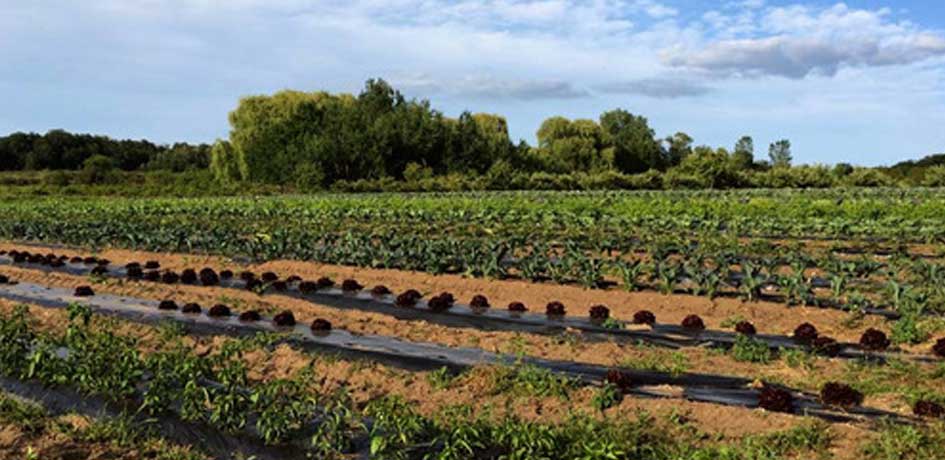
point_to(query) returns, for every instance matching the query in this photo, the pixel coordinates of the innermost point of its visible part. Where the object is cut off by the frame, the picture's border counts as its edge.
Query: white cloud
(797, 41)
(490, 87)
(665, 87)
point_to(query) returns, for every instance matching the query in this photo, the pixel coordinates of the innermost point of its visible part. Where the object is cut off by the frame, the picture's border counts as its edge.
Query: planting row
(698, 387)
(893, 214)
(600, 320)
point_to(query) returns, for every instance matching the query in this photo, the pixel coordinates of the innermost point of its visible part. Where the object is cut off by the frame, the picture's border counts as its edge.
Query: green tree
(680, 147)
(744, 155)
(224, 163)
(635, 148)
(572, 146)
(97, 169)
(780, 153)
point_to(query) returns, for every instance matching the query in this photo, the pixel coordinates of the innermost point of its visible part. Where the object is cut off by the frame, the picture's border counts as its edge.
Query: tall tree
(679, 147)
(780, 153)
(744, 155)
(635, 148)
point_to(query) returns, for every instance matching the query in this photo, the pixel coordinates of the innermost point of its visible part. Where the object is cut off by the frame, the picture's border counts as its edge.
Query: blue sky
(861, 82)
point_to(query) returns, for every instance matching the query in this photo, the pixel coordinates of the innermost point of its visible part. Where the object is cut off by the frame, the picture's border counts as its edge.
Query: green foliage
(441, 378)
(606, 397)
(780, 154)
(907, 442)
(530, 380)
(224, 163)
(97, 169)
(750, 350)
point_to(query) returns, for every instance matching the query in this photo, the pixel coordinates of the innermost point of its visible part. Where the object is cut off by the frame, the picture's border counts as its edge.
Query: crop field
(753, 324)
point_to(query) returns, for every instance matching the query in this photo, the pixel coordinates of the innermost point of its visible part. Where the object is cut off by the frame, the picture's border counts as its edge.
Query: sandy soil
(366, 381)
(770, 318)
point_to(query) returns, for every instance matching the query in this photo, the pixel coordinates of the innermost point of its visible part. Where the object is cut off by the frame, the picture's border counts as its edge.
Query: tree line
(381, 140)
(61, 150)
(318, 139)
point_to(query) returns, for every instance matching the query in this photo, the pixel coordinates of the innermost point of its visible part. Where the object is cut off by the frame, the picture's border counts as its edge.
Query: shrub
(192, 308)
(97, 169)
(83, 291)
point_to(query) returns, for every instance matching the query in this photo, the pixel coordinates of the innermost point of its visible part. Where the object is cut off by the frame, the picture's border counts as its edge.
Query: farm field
(756, 324)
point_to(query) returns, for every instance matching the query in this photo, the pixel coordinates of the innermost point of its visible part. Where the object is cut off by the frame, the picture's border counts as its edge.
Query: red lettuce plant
(805, 333)
(321, 325)
(839, 394)
(284, 319)
(644, 317)
(745, 328)
(219, 310)
(555, 308)
(776, 399)
(622, 380)
(693, 322)
(874, 340)
(350, 285)
(380, 290)
(250, 316)
(931, 409)
(599, 312)
(517, 307)
(479, 301)
(188, 276)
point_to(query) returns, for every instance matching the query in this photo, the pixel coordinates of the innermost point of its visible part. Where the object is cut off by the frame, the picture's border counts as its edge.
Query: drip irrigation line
(718, 389)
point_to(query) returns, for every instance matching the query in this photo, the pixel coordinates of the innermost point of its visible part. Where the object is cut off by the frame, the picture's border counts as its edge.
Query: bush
(223, 162)
(865, 177)
(97, 169)
(934, 177)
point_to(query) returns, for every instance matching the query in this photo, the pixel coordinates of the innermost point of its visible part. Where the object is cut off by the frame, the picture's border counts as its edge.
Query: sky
(860, 82)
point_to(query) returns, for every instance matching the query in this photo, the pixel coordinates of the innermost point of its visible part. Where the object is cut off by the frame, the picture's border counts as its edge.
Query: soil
(366, 381)
(768, 317)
